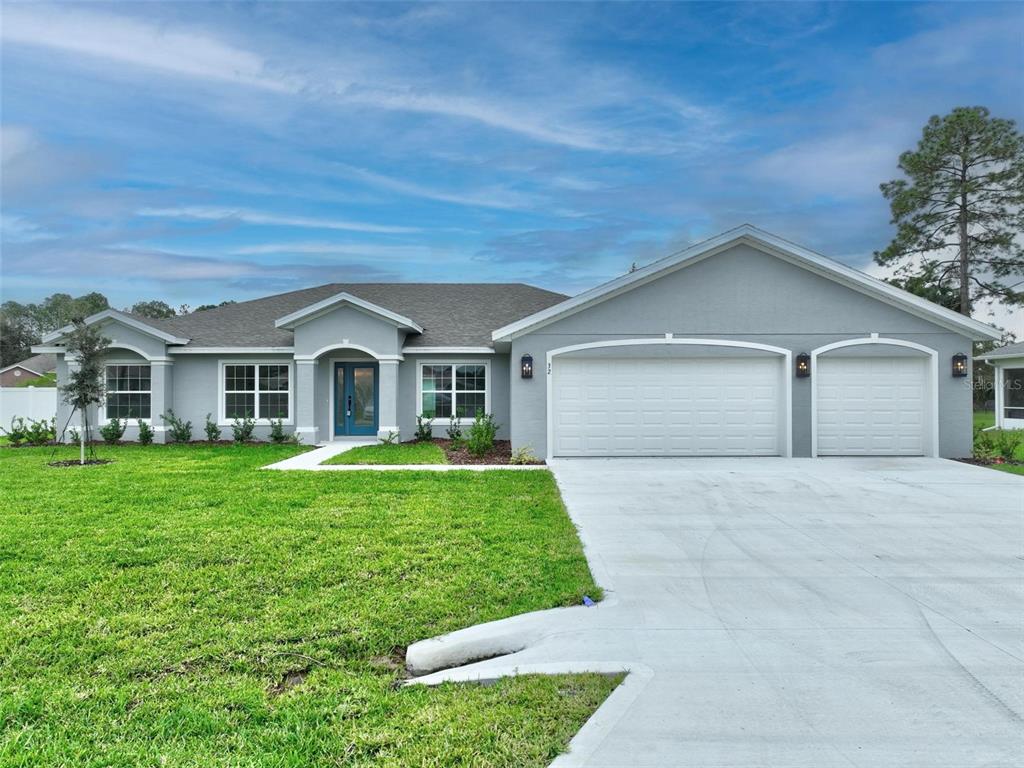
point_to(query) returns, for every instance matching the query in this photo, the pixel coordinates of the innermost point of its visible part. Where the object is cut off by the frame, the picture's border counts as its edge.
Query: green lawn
(397, 453)
(151, 609)
(984, 419)
(46, 380)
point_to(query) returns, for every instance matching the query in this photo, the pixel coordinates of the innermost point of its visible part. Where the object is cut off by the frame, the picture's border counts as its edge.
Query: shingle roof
(452, 314)
(43, 363)
(1008, 350)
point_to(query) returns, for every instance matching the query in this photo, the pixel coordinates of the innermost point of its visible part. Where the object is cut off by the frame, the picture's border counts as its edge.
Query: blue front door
(356, 399)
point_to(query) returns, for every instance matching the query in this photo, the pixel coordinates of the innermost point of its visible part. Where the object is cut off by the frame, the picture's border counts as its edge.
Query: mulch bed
(993, 462)
(501, 453)
(77, 463)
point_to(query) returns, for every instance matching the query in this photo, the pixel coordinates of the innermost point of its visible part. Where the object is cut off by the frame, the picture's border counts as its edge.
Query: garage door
(668, 407)
(872, 406)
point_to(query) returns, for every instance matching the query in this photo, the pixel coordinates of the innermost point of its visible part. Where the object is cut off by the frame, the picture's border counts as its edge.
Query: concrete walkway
(784, 612)
(313, 461)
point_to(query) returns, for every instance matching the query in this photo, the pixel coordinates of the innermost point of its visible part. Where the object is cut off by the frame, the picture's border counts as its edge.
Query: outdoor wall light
(803, 365)
(959, 365)
(526, 367)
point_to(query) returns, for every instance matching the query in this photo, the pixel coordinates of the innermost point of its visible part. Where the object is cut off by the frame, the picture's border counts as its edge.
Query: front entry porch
(345, 394)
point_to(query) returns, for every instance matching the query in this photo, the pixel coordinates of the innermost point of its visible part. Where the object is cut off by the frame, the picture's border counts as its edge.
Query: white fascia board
(113, 314)
(40, 349)
(448, 350)
(315, 310)
(774, 245)
(232, 351)
(1012, 356)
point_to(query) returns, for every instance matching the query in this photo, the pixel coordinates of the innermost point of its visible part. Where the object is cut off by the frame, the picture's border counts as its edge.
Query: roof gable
(121, 317)
(767, 243)
(320, 308)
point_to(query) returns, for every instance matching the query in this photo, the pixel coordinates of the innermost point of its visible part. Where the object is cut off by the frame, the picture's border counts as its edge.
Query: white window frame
(419, 386)
(103, 404)
(224, 421)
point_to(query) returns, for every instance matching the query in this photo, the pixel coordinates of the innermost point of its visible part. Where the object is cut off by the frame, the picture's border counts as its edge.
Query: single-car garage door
(725, 406)
(872, 406)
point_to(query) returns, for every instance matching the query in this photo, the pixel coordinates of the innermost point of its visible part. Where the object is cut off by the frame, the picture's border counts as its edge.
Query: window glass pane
(240, 378)
(1013, 389)
(273, 405)
(239, 405)
(437, 378)
(273, 378)
(128, 405)
(468, 403)
(437, 405)
(470, 377)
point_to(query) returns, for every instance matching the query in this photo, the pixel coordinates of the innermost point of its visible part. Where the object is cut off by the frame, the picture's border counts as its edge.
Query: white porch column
(998, 370)
(160, 397)
(388, 393)
(305, 402)
(64, 371)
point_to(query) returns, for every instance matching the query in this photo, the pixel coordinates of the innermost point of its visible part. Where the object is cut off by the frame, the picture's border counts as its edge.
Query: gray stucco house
(744, 344)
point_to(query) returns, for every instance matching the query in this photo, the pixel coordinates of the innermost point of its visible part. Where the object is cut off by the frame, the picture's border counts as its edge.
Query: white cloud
(492, 197)
(179, 51)
(365, 251)
(259, 218)
(547, 111)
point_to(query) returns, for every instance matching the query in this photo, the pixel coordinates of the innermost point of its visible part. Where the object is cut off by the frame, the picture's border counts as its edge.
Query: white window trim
(103, 402)
(488, 384)
(224, 421)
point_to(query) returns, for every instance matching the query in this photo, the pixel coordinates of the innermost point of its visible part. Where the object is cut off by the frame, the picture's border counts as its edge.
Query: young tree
(960, 210)
(85, 384)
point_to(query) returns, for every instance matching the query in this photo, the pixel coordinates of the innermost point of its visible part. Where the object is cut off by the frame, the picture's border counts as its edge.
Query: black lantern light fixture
(526, 367)
(803, 365)
(959, 365)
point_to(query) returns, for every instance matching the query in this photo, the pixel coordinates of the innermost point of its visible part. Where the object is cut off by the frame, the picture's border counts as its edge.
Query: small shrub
(481, 434)
(389, 438)
(1006, 442)
(34, 432)
(180, 431)
(113, 431)
(74, 435)
(241, 429)
(145, 433)
(424, 428)
(211, 429)
(277, 434)
(18, 433)
(454, 430)
(523, 455)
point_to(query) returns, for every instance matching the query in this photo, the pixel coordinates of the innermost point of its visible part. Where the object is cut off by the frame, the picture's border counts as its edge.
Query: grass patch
(181, 607)
(396, 453)
(46, 380)
(984, 419)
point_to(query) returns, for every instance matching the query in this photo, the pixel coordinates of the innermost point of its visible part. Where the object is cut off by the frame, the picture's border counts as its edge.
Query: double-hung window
(453, 388)
(128, 394)
(260, 391)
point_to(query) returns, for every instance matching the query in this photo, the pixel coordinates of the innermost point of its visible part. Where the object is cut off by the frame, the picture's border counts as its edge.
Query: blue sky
(198, 152)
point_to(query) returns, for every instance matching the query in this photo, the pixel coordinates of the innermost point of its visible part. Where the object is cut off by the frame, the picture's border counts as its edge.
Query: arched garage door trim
(933, 448)
(787, 378)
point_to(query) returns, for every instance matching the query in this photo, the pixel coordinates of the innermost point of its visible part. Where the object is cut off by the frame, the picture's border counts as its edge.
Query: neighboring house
(1008, 365)
(744, 344)
(29, 369)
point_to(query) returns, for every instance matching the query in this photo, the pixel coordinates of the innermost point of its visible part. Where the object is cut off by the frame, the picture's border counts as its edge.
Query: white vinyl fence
(27, 402)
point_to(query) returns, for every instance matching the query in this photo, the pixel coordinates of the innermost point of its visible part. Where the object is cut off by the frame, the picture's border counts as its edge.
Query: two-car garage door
(668, 406)
(735, 406)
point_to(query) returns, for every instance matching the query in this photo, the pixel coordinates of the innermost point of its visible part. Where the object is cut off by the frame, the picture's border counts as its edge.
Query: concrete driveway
(788, 612)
